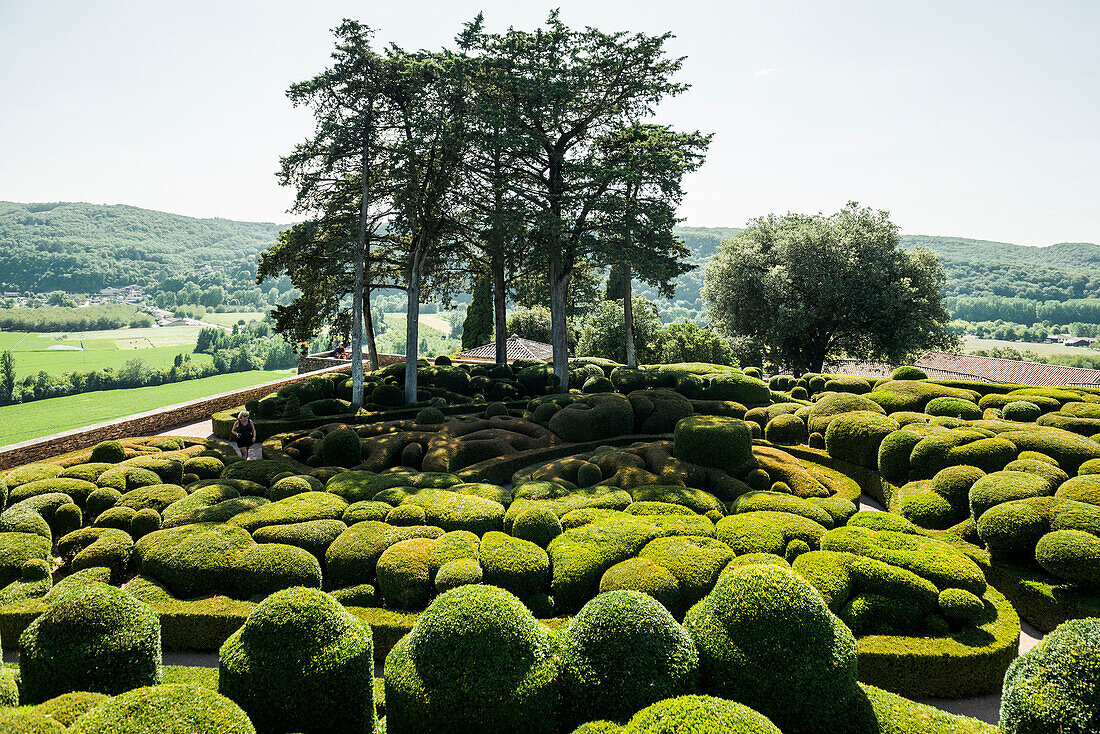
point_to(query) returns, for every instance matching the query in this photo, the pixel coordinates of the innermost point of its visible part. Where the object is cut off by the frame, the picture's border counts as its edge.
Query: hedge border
(1033, 596)
(944, 667)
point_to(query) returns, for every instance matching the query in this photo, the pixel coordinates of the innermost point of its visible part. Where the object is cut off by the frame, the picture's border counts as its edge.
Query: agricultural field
(666, 546)
(973, 343)
(434, 335)
(229, 319)
(42, 417)
(57, 353)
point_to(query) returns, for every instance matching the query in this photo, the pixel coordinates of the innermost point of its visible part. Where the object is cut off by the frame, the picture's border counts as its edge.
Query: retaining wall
(325, 360)
(143, 424)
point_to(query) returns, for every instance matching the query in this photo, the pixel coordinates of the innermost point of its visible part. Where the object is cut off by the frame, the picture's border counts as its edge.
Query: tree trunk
(368, 322)
(558, 336)
(357, 334)
(500, 313)
(412, 329)
(628, 319)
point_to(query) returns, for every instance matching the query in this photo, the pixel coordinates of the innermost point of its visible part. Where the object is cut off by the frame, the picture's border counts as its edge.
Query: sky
(976, 119)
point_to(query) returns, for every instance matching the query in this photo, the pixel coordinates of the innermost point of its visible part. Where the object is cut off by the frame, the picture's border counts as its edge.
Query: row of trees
(64, 318)
(1023, 310)
(515, 160)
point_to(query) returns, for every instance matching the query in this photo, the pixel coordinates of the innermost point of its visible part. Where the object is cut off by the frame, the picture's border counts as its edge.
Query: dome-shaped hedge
(101, 640)
(301, 662)
(699, 715)
(1055, 686)
(762, 629)
(622, 652)
(476, 655)
(168, 709)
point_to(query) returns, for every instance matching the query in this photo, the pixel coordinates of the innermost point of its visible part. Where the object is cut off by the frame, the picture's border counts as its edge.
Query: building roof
(1010, 371)
(517, 348)
(860, 368)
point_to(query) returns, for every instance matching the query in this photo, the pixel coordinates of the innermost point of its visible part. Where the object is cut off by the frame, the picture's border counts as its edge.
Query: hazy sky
(975, 119)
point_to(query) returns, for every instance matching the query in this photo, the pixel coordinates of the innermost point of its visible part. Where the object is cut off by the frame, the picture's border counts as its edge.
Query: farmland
(93, 350)
(43, 417)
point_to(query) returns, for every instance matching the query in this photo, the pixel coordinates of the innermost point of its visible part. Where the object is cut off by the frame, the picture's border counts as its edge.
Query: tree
(340, 175)
(809, 287)
(646, 164)
(560, 91)
(531, 323)
(602, 333)
(7, 377)
(427, 94)
(686, 341)
(477, 329)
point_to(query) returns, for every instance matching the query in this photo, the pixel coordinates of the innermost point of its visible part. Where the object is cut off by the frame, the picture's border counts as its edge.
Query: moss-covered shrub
(290, 486)
(204, 467)
(457, 511)
(762, 627)
(786, 430)
(429, 686)
(1003, 486)
(694, 561)
(697, 715)
(855, 436)
(645, 576)
(296, 508)
(1055, 686)
(91, 547)
(44, 514)
(301, 662)
(404, 577)
(953, 407)
(515, 565)
(914, 395)
(341, 447)
(18, 548)
(68, 707)
(908, 372)
(580, 556)
(263, 472)
(1021, 410)
(598, 681)
(713, 441)
(457, 573)
(1068, 449)
(538, 525)
(943, 501)
(175, 708)
(352, 557)
(657, 411)
(77, 489)
(593, 417)
(767, 532)
(969, 446)
(108, 452)
(314, 536)
(101, 640)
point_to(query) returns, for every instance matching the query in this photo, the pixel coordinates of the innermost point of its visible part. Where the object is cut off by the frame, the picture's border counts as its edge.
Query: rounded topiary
(404, 577)
(752, 372)
(699, 715)
(476, 655)
(646, 576)
(762, 627)
(101, 640)
(588, 474)
(816, 441)
(389, 396)
(169, 709)
(101, 500)
(1055, 686)
(68, 707)
(430, 416)
(799, 393)
(539, 525)
(714, 441)
(341, 447)
(443, 361)
(144, 522)
(787, 430)
(493, 410)
(297, 484)
(457, 573)
(908, 372)
(1022, 411)
(301, 662)
(597, 384)
(598, 681)
(953, 408)
(108, 452)
(855, 437)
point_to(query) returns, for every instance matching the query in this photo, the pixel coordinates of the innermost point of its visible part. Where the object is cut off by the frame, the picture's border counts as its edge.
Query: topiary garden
(663, 550)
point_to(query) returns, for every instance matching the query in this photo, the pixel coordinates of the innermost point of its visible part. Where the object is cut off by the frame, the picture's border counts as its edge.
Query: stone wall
(144, 424)
(325, 360)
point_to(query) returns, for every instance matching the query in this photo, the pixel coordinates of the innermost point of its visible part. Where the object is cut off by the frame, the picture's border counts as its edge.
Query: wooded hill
(80, 247)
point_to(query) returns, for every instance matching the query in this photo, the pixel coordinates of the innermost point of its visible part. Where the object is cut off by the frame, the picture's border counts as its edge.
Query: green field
(970, 343)
(228, 319)
(44, 417)
(93, 350)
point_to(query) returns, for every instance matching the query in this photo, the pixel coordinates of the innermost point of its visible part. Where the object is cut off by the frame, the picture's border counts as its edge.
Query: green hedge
(166, 709)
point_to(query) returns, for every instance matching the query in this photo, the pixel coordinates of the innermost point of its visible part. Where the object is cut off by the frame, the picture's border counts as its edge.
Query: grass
(392, 341)
(971, 343)
(228, 319)
(45, 417)
(84, 351)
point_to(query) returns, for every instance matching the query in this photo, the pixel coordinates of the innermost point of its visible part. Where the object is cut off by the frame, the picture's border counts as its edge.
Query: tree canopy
(810, 287)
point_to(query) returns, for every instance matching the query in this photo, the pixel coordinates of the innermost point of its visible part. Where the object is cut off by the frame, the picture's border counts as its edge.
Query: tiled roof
(517, 348)
(859, 368)
(1010, 371)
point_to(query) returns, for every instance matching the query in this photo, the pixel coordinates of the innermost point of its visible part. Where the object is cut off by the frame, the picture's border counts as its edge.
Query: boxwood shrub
(301, 662)
(101, 640)
(429, 686)
(174, 708)
(622, 652)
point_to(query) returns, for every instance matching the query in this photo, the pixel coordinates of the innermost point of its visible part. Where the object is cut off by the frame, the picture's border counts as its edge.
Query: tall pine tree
(477, 329)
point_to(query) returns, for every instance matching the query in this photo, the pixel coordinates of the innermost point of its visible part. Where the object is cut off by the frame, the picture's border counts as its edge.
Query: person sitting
(340, 352)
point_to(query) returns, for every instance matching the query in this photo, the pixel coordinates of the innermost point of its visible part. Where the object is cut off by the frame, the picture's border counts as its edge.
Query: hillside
(80, 247)
(84, 247)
